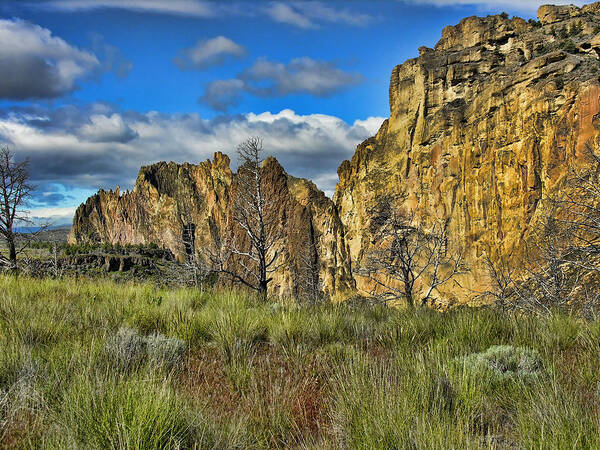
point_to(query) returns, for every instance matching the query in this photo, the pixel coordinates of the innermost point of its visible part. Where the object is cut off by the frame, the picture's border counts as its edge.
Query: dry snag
(248, 256)
(15, 191)
(405, 255)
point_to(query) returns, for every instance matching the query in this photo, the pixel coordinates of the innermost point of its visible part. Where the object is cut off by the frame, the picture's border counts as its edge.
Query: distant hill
(59, 234)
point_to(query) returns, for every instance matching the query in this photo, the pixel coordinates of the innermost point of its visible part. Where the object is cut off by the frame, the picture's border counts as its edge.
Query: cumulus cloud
(222, 94)
(209, 52)
(310, 14)
(102, 128)
(35, 64)
(86, 150)
(274, 79)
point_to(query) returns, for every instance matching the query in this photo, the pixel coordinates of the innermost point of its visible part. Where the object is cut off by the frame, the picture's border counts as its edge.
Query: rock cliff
(481, 128)
(169, 199)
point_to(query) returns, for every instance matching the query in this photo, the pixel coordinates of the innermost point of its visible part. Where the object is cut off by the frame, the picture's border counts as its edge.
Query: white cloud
(102, 128)
(274, 79)
(310, 14)
(35, 64)
(178, 7)
(281, 12)
(310, 146)
(209, 52)
(61, 216)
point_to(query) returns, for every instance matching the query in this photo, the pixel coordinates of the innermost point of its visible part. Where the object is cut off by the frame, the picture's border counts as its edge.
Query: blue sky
(92, 89)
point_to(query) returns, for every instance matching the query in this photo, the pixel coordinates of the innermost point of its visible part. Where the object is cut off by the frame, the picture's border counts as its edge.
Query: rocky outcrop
(168, 199)
(481, 128)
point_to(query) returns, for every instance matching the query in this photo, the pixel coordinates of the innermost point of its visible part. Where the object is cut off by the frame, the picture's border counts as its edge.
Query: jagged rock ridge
(169, 198)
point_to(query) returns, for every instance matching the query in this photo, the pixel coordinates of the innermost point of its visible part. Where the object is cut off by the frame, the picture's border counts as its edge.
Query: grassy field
(94, 364)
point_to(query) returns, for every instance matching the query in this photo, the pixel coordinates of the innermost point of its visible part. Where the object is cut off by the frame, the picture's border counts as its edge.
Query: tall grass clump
(133, 412)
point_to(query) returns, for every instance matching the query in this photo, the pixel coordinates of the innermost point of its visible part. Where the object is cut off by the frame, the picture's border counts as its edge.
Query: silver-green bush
(506, 361)
(129, 349)
(163, 351)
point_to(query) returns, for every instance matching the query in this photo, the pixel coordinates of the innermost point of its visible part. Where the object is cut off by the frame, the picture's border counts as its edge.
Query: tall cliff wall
(169, 198)
(481, 128)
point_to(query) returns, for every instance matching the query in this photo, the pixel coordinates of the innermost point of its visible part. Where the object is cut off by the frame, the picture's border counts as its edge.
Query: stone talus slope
(481, 128)
(168, 198)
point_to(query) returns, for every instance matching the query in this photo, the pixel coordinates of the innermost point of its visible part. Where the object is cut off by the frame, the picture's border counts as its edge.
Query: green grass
(96, 364)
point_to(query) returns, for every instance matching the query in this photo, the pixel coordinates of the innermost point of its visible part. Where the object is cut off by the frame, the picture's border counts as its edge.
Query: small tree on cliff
(247, 256)
(404, 254)
(14, 193)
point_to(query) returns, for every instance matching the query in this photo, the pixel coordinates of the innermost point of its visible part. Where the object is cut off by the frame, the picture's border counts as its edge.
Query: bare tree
(405, 254)
(550, 264)
(15, 190)
(503, 287)
(578, 212)
(249, 258)
(194, 270)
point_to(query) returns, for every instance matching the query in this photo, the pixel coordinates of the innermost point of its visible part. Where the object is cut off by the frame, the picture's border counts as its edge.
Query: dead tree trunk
(249, 258)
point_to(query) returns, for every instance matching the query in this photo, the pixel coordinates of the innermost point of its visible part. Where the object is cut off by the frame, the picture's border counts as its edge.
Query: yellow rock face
(481, 128)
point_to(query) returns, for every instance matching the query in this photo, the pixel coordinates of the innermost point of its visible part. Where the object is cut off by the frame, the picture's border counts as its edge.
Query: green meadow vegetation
(97, 364)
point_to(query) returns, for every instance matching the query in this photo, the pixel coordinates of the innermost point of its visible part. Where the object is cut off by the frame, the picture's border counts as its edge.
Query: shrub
(129, 350)
(568, 46)
(164, 352)
(563, 32)
(542, 49)
(576, 28)
(505, 361)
